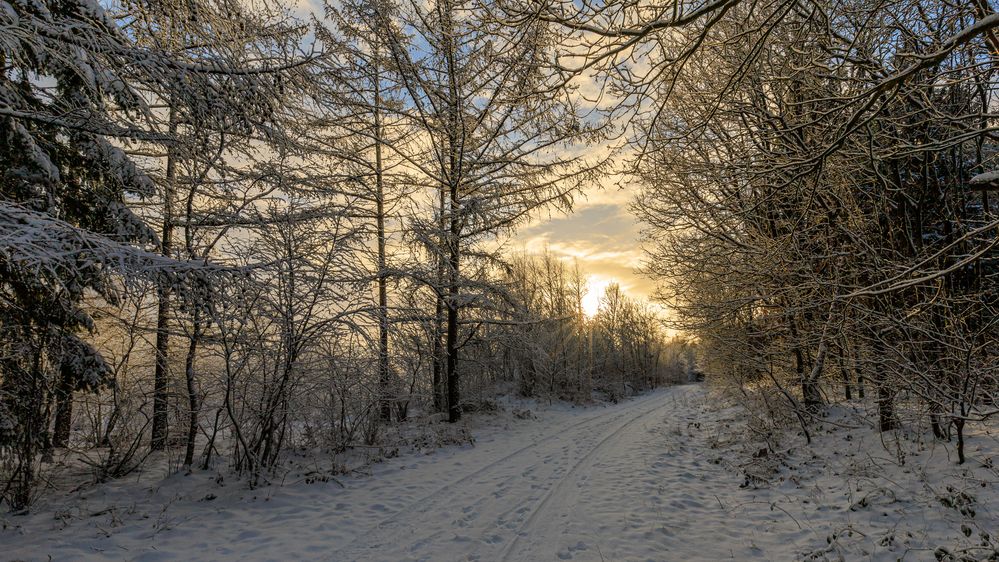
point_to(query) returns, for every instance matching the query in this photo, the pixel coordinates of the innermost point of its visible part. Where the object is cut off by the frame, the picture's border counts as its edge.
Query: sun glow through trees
(595, 287)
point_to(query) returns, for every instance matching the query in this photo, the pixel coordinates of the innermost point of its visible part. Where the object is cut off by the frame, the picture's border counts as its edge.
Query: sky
(601, 235)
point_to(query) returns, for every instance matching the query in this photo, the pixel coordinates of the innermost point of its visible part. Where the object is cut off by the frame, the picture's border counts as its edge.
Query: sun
(595, 287)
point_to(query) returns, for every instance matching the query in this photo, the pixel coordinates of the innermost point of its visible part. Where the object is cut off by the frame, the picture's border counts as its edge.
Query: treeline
(821, 202)
(226, 230)
(554, 350)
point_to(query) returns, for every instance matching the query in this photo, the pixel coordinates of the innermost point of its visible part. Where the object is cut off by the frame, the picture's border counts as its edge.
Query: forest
(235, 230)
(228, 231)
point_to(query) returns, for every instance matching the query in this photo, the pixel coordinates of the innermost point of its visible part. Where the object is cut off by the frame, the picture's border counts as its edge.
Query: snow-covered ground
(659, 477)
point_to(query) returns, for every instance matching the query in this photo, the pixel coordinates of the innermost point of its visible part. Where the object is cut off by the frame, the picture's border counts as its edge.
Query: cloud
(603, 237)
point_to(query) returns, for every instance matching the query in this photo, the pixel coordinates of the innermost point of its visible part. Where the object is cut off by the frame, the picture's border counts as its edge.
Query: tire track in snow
(427, 502)
(555, 489)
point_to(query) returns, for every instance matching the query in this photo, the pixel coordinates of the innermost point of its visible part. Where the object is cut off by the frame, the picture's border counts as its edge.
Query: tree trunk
(453, 407)
(847, 386)
(811, 398)
(959, 427)
(63, 413)
(437, 356)
(456, 142)
(384, 376)
(860, 374)
(811, 392)
(192, 396)
(160, 420)
(886, 408)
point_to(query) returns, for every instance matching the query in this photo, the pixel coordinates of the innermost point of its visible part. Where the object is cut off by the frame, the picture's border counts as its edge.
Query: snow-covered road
(631, 481)
(610, 482)
(591, 487)
(653, 478)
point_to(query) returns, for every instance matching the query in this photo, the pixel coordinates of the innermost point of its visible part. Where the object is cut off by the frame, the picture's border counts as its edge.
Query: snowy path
(620, 482)
(611, 483)
(640, 480)
(543, 501)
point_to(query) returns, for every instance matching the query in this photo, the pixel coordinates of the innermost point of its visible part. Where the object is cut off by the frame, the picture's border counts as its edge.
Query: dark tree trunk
(456, 147)
(160, 413)
(63, 413)
(847, 387)
(959, 429)
(886, 396)
(384, 375)
(886, 408)
(453, 407)
(811, 397)
(159, 429)
(192, 395)
(440, 398)
(858, 371)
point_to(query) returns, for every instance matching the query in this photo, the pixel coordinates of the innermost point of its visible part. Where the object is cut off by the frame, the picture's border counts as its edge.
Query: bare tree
(491, 130)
